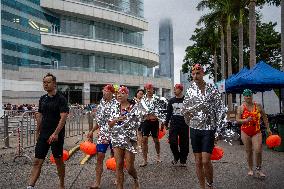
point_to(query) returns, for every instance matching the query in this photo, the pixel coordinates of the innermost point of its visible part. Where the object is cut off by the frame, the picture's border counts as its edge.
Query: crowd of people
(20, 107)
(124, 127)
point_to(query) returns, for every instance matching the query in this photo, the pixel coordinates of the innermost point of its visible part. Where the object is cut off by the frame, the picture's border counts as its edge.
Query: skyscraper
(85, 43)
(166, 68)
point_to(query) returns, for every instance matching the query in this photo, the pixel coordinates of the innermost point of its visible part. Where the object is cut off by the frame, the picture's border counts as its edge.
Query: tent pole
(280, 100)
(262, 100)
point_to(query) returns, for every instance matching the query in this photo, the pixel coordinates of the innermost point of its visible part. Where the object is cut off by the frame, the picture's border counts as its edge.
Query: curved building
(84, 43)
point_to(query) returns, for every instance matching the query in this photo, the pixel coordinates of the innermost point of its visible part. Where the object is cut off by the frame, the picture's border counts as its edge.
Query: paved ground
(230, 171)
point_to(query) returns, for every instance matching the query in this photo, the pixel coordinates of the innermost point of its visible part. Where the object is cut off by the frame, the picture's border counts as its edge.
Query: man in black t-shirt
(178, 130)
(52, 114)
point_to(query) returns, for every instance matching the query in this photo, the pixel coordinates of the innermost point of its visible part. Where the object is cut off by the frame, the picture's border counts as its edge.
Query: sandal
(209, 184)
(259, 173)
(143, 165)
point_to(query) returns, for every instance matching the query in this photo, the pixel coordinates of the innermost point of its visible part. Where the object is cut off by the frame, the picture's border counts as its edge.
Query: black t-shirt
(174, 112)
(50, 107)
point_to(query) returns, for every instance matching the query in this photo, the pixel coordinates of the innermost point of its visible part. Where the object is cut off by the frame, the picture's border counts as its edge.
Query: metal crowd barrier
(19, 129)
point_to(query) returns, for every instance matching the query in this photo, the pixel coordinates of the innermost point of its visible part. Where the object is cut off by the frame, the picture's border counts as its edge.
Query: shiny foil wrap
(102, 117)
(124, 134)
(204, 112)
(156, 106)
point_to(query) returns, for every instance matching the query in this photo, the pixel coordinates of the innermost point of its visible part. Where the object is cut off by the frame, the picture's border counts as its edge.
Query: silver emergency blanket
(124, 133)
(156, 106)
(204, 112)
(102, 117)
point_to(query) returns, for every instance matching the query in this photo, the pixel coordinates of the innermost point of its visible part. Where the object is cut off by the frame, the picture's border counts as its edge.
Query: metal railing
(19, 129)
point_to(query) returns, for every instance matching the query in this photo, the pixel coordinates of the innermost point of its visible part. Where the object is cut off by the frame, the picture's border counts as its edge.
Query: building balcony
(94, 12)
(79, 44)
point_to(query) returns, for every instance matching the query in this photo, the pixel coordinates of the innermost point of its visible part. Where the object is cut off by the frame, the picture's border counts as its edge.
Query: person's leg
(57, 151)
(145, 128)
(207, 168)
(35, 173)
(41, 151)
(155, 133)
(257, 146)
(145, 151)
(184, 144)
(248, 147)
(119, 159)
(99, 169)
(158, 148)
(139, 139)
(196, 144)
(60, 171)
(199, 169)
(173, 139)
(130, 158)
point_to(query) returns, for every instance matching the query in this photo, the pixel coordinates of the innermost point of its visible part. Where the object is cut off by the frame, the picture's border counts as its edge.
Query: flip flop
(143, 165)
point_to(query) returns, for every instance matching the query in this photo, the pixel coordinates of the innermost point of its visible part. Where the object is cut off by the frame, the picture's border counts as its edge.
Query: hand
(165, 125)
(90, 136)
(268, 131)
(37, 135)
(121, 118)
(52, 138)
(248, 119)
(162, 127)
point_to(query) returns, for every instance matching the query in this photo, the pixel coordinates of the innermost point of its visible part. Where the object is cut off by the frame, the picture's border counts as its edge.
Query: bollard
(6, 132)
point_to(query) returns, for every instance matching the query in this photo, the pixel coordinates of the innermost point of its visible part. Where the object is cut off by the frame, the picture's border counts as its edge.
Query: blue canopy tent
(230, 83)
(262, 77)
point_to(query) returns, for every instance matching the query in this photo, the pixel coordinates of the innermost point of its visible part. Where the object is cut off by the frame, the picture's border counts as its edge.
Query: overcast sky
(184, 16)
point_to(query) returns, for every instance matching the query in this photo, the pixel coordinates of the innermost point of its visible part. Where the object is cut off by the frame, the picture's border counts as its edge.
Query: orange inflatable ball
(111, 164)
(65, 156)
(88, 148)
(217, 153)
(162, 133)
(273, 141)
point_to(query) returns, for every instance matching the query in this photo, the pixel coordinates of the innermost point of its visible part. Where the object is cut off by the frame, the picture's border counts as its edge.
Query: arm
(169, 113)
(265, 119)
(90, 134)
(54, 136)
(38, 117)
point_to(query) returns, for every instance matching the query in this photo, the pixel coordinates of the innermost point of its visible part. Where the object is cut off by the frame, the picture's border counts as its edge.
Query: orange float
(162, 133)
(111, 164)
(88, 148)
(217, 153)
(273, 141)
(65, 156)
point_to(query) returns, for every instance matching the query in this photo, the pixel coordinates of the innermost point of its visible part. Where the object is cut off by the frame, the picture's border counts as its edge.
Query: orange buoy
(88, 148)
(65, 156)
(217, 153)
(273, 141)
(162, 133)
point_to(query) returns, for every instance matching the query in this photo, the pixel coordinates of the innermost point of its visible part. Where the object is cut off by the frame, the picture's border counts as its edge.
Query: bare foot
(158, 159)
(250, 173)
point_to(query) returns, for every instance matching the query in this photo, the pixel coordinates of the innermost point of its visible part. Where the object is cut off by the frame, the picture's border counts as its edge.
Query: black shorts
(202, 140)
(42, 148)
(150, 128)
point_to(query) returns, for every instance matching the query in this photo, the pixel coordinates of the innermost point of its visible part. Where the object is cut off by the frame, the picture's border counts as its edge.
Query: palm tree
(222, 8)
(252, 32)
